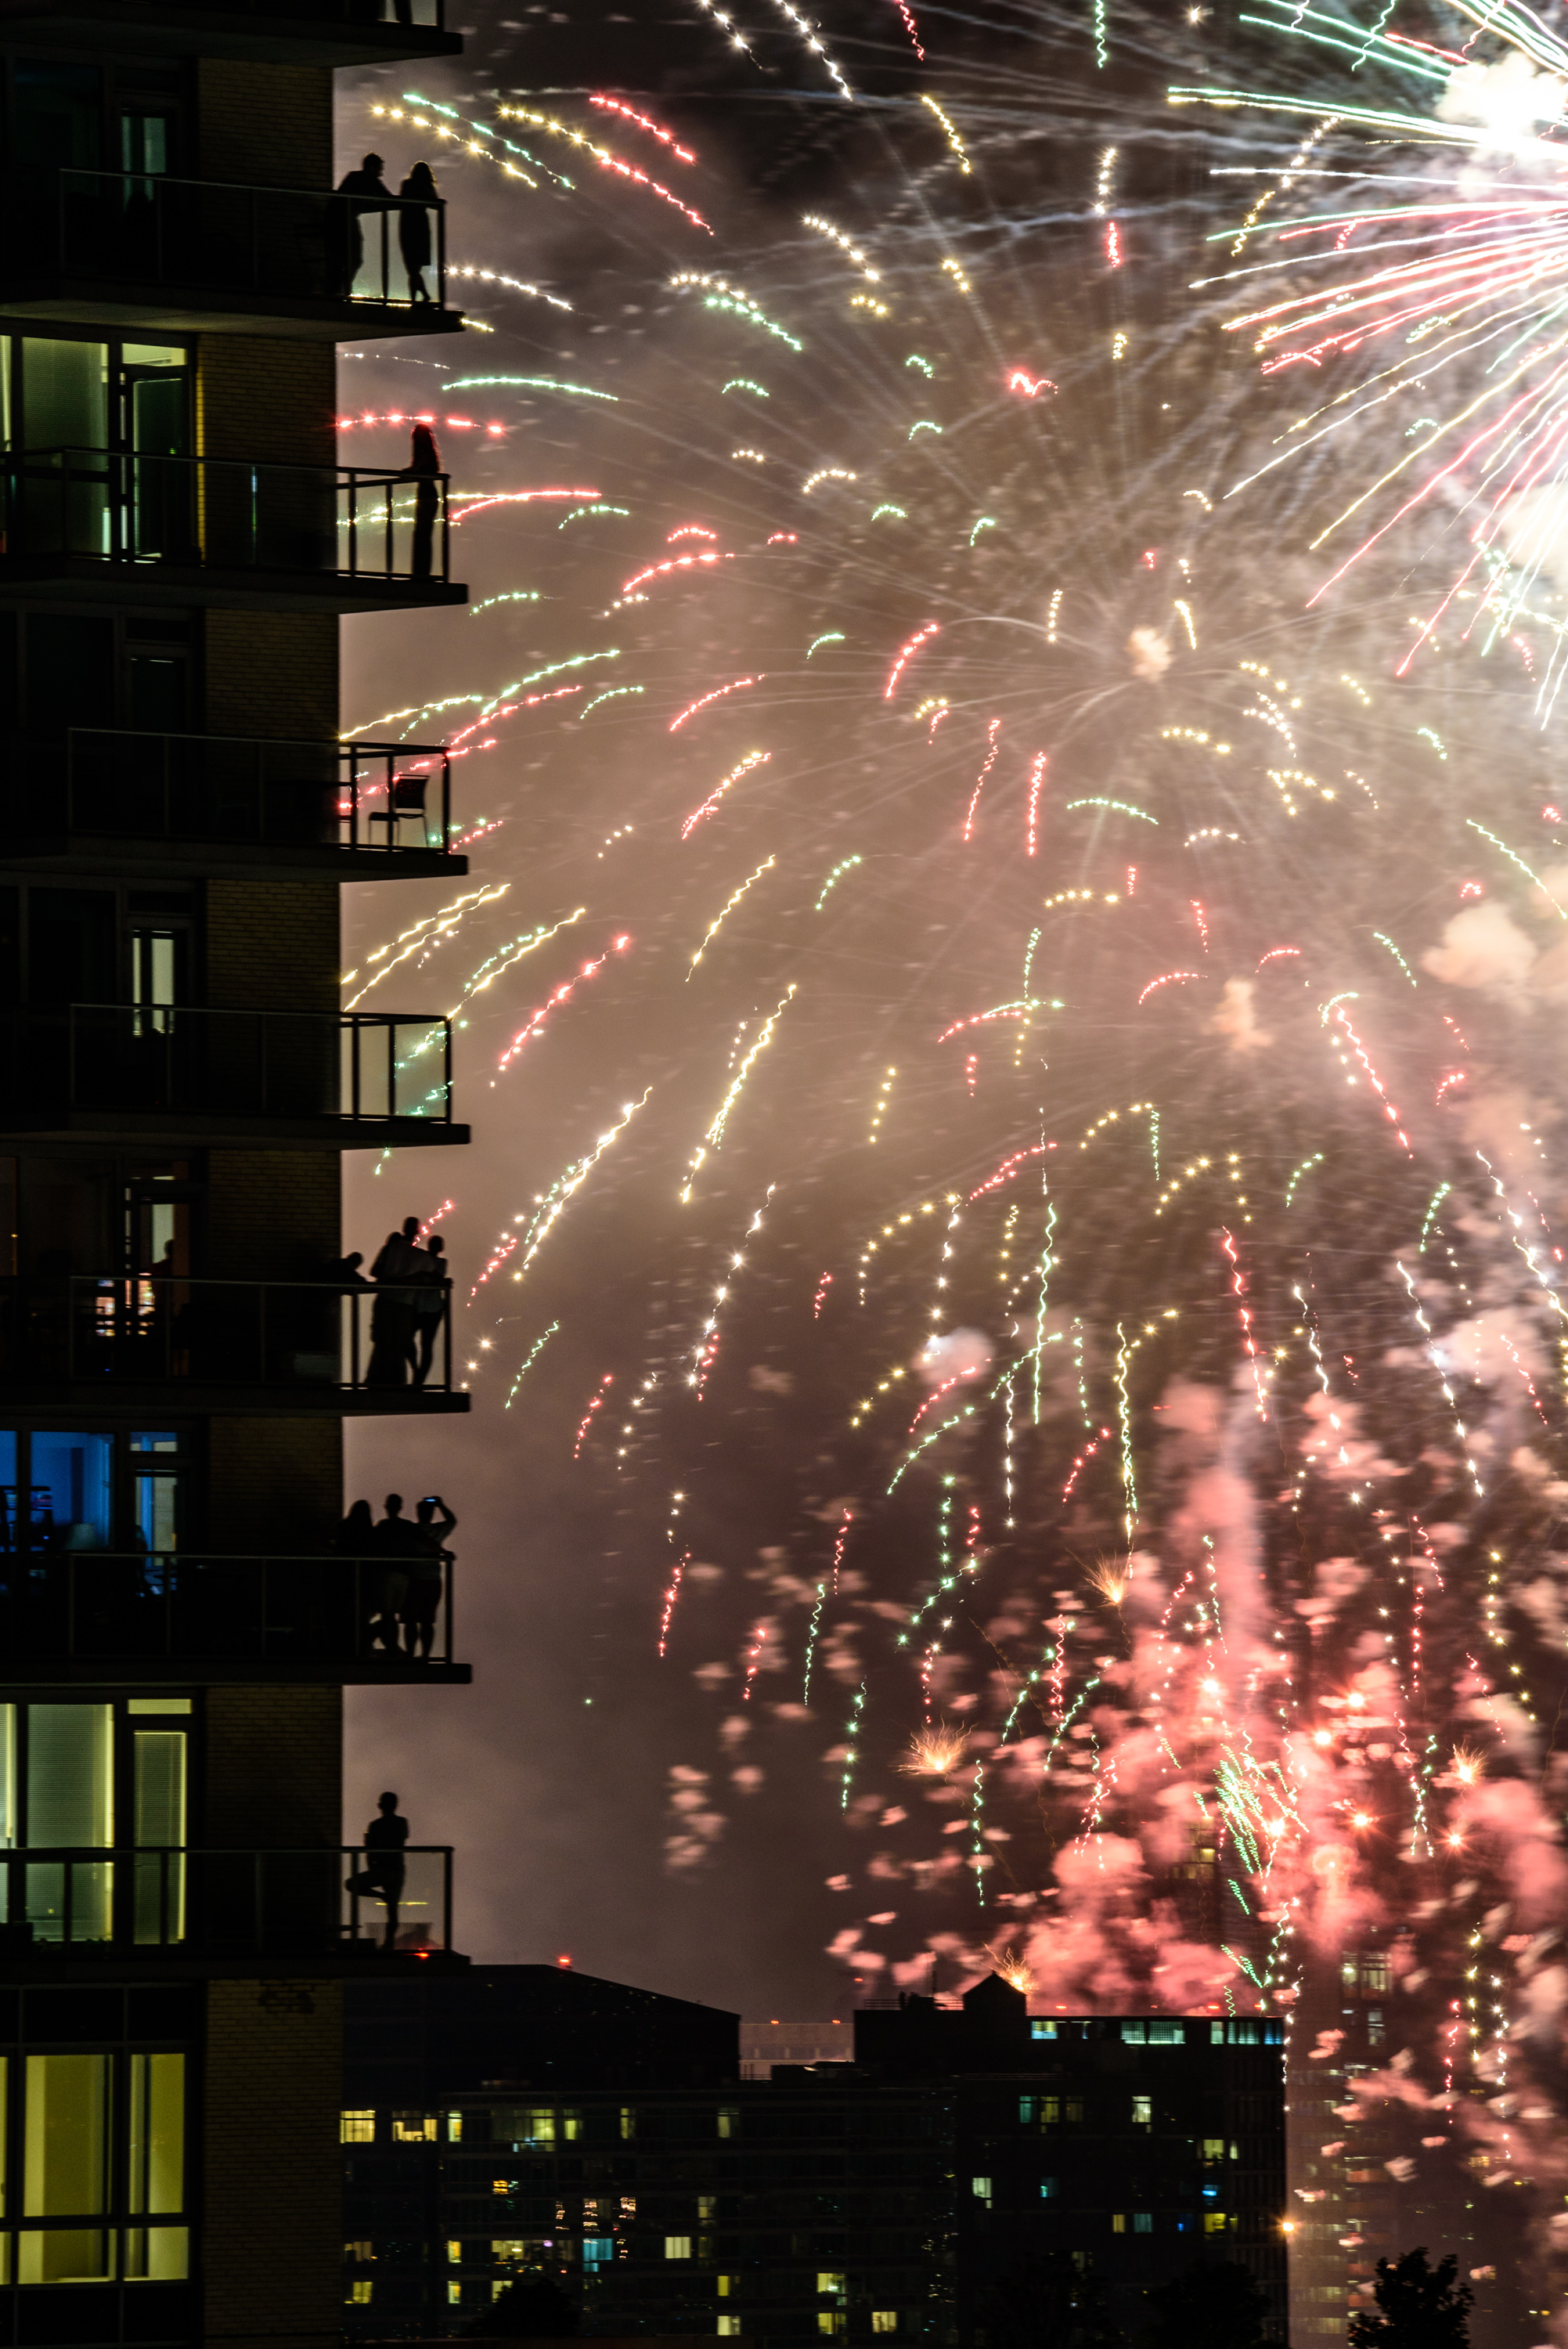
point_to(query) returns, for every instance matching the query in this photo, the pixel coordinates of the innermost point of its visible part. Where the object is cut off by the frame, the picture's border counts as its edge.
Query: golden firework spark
(932, 1753)
(1109, 1576)
(1010, 1964)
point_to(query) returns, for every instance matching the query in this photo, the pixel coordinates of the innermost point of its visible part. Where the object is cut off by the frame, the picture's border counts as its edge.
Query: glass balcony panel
(243, 1903)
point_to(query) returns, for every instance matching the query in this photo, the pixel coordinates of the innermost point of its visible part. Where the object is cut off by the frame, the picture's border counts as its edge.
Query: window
(454, 2128)
(629, 2122)
(707, 2209)
(728, 2287)
(829, 2283)
(728, 2324)
(1374, 1975)
(677, 2246)
(157, 2166)
(1374, 2026)
(1028, 2108)
(598, 2251)
(359, 2293)
(1119, 2222)
(1144, 2223)
(1050, 2111)
(830, 2320)
(1165, 2031)
(65, 2168)
(454, 2294)
(1072, 2111)
(1133, 2029)
(356, 2128)
(1041, 2026)
(361, 2253)
(981, 2188)
(884, 2320)
(1213, 2222)
(1048, 2189)
(572, 2126)
(1214, 2149)
(1143, 2112)
(729, 2120)
(415, 2128)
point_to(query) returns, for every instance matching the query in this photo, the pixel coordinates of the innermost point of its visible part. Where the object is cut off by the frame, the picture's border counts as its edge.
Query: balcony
(243, 1349)
(134, 249)
(85, 523)
(94, 1616)
(270, 32)
(78, 1902)
(230, 805)
(115, 1072)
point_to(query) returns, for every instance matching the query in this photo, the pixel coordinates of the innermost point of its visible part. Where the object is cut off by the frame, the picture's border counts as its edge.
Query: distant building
(519, 2117)
(772, 2040)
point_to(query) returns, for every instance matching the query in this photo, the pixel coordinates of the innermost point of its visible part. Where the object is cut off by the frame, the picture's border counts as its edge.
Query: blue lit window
(1028, 2106)
(598, 2251)
(1211, 2193)
(1048, 2189)
(1144, 2223)
(1042, 2026)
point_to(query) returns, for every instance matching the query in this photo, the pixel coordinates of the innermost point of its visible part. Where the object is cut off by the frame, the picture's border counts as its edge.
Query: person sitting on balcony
(424, 469)
(392, 1315)
(423, 1597)
(348, 238)
(381, 1877)
(430, 1306)
(414, 228)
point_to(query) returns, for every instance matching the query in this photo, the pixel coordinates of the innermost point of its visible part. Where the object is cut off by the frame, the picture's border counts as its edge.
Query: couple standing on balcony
(412, 1286)
(371, 193)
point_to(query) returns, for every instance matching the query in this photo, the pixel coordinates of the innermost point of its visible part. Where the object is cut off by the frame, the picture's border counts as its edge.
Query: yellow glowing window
(359, 2293)
(884, 2320)
(357, 2128)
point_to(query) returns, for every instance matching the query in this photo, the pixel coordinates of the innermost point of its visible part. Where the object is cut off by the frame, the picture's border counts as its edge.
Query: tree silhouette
(532, 2307)
(1216, 2307)
(1419, 2306)
(1049, 2302)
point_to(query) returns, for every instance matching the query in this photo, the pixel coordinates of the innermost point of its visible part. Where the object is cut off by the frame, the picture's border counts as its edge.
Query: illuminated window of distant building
(729, 2323)
(1028, 2108)
(830, 2320)
(1213, 2222)
(884, 2320)
(706, 2208)
(454, 2252)
(357, 2128)
(729, 2120)
(359, 2293)
(1041, 2026)
(981, 2188)
(677, 2246)
(629, 2121)
(1374, 2026)
(598, 2251)
(1119, 2222)
(1143, 2112)
(728, 2287)
(1133, 2029)
(65, 2169)
(359, 2253)
(1166, 2031)
(1050, 2111)
(454, 2128)
(1214, 2149)
(454, 2294)
(415, 2128)
(1375, 1976)
(829, 2283)
(1144, 2223)
(572, 2126)
(1048, 2189)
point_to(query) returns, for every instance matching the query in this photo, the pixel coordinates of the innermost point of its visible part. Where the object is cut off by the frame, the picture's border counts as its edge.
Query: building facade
(915, 2192)
(178, 1346)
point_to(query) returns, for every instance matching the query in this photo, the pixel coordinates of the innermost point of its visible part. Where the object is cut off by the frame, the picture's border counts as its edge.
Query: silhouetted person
(424, 471)
(398, 1264)
(348, 237)
(430, 1306)
(395, 1545)
(381, 1877)
(414, 229)
(423, 1597)
(350, 1273)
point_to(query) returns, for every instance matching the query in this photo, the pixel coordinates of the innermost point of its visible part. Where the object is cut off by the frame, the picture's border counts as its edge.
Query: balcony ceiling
(110, 1128)
(127, 1399)
(168, 310)
(79, 579)
(157, 29)
(186, 859)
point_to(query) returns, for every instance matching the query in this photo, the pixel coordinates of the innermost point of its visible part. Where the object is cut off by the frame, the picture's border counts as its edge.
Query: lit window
(359, 2293)
(981, 2188)
(829, 2283)
(454, 2252)
(728, 2324)
(454, 2128)
(1214, 2149)
(677, 2246)
(1133, 2031)
(829, 2320)
(729, 2120)
(1213, 2222)
(454, 2294)
(1144, 2223)
(1375, 1977)
(884, 2320)
(1028, 2106)
(157, 2179)
(1143, 2112)
(1165, 2031)
(572, 2126)
(598, 2251)
(1374, 2026)
(1119, 2222)
(359, 2253)
(1050, 2111)
(1048, 2189)
(157, 2254)
(415, 2128)
(65, 2167)
(728, 2287)
(628, 2121)
(357, 2128)
(1041, 2026)
(706, 2208)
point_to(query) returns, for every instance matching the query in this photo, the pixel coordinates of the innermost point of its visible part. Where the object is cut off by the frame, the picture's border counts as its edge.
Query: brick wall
(274, 1767)
(259, 396)
(273, 2172)
(273, 672)
(272, 1215)
(274, 945)
(274, 1485)
(270, 126)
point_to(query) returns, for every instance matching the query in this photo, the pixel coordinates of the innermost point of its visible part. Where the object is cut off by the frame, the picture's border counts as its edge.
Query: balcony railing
(229, 1903)
(224, 514)
(186, 1607)
(359, 1068)
(305, 1340)
(225, 240)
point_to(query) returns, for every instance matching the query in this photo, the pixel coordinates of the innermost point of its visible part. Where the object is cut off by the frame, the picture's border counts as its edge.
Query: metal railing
(222, 237)
(228, 1903)
(362, 1068)
(185, 1606)
(392, 797)
(427, 16)
(224, 513)
(303, 1338)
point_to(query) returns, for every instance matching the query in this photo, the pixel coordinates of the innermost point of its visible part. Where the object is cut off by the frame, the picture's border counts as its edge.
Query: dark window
(59, 110)
(70, 672)
(71, 946)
